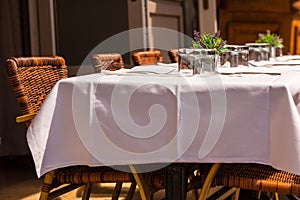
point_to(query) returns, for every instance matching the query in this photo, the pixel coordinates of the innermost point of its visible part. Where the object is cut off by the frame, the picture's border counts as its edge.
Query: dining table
(156, 116)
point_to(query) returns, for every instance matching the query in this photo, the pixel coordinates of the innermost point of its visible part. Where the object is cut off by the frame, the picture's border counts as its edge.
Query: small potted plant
(274, 41)
(205, 48)
(209, 41)
(213, 42)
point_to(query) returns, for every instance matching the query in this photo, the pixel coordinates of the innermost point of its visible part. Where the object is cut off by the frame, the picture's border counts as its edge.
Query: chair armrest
(25, 118)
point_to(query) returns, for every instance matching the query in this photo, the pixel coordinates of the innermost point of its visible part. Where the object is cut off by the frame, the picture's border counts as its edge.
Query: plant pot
(275, 52)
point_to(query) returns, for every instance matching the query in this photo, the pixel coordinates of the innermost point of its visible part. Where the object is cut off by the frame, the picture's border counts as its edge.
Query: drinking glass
(239, 55)
(225, 58)
(204, 61)
(275, 52)
(258, 51)
(184, 59)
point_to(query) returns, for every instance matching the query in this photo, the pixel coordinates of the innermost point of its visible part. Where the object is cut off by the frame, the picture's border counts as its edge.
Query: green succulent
(209, 41)
(271, 38)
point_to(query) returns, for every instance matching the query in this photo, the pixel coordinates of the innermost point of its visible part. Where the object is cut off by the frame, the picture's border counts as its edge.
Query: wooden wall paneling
(276, 6)
(246, 32)
(241, 21)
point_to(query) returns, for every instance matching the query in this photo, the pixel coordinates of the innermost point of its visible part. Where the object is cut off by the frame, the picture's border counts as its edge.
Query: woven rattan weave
(249, 176)
(173, 55)
(257, 177)
(147, 57)
(32, 79)
(109, 61)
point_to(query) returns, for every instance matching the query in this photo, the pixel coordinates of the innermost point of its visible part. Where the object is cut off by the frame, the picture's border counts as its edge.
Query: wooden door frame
(42, 27)
(207, 10)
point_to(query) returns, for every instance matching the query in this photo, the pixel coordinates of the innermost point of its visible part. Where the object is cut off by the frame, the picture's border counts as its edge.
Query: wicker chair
(227, 179)
(257, 177)
(147, 57)
(32, 79)
(110, 61)
(173, 55)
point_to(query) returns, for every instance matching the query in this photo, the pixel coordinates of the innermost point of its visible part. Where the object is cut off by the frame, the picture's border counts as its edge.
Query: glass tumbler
(258, 51)
(225, 58)
(275, 52)
(205, 61)
(239, 55)
(184, 59)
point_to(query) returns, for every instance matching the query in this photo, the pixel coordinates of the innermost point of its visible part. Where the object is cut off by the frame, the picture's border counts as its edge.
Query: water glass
(184, 59)
(258, 51)
(225, 57)
(239, 55)
(275, 52)
(204, 61)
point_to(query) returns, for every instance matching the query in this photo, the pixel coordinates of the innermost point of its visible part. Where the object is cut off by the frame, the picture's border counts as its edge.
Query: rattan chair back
(109, 61)
(147, 57)
(257, 177)
(33, 78)
(248, 176)
(173, 55)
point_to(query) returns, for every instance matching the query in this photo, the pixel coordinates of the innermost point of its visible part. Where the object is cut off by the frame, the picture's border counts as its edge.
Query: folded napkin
(152, 69)
(174, 65)
(286, 58)
(261, 63)
(249, 70)
(145, 69)
(275, 62)
(288, 62)
(161, 69)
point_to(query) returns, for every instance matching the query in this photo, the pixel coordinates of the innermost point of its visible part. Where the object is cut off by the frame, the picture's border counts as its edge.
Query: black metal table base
(176, 181)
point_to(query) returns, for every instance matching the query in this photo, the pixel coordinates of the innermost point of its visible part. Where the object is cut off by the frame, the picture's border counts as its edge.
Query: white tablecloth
(120, 119)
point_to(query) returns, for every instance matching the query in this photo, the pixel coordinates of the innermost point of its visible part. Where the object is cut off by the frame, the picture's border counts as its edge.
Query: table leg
(176, 181)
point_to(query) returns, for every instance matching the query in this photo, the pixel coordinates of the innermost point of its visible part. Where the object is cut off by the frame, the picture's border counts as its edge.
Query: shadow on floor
(18, 181)
(18, 178)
